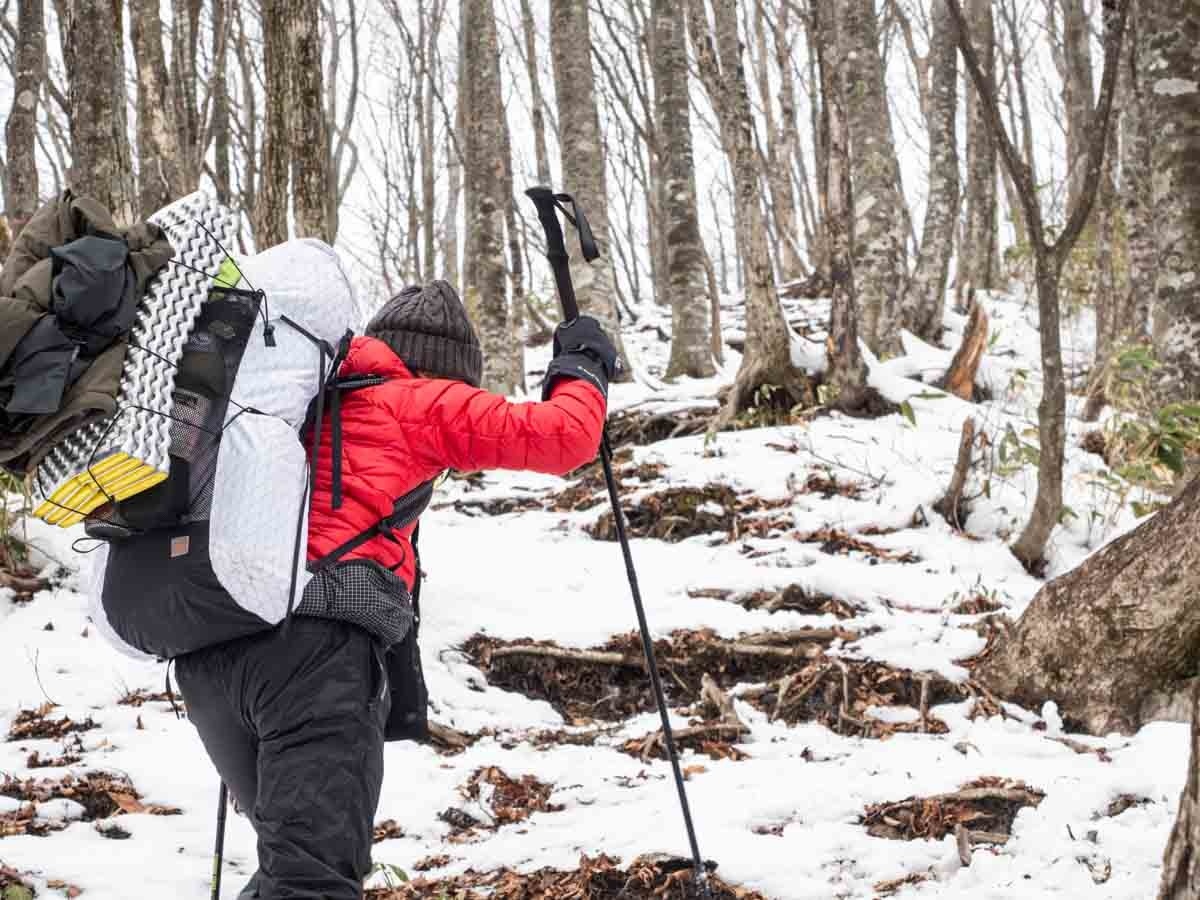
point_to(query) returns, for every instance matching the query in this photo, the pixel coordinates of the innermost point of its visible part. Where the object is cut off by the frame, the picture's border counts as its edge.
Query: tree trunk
(691, 354)
(538, 103)
(979, 266)
(483, 144)
(1136, 181)
(29, 63)
(160, 170)
(1172, 35)
(881, 219)
(1052, 417)
(185, 44)
(1115, 641)
(311, 152)
(450, 214)
(847, 375)
(778, 174)
(222, 176)
(767, 359)
(94, 54)
(1078, 93)
(1181, 862)
(271, 202)
(925, 296)
(582, 150)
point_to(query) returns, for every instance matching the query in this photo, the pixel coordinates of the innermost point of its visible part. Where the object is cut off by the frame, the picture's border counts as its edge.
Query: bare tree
(29, 63)
(847, 375)
(767, 359)
(311, 152)
(538, 103)
(925, 295)
(159, 152)
(1172, 31)
(581, 146)
(882, 224)
(93, 50)
(979, 266)
(484, 144)
(691, 353)
(222, 172)
(271, 199)
(1049, 258)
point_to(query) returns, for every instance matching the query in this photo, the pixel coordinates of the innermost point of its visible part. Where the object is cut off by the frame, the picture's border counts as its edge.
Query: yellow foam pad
(116, 477)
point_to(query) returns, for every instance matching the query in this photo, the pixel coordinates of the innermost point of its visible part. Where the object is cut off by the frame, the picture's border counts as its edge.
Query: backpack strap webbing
(405, 511)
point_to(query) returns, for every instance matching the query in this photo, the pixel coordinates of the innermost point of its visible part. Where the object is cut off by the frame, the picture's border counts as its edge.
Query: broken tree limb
(959, 379)
(601, 657)
(950, 507)
(710, 692)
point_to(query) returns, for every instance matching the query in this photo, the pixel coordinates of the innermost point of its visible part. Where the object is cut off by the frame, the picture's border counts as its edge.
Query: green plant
(15, 502)
(393, 876)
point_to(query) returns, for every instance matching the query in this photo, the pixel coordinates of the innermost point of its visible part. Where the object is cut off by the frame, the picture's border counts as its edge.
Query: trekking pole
(219, 850)
(548, 204)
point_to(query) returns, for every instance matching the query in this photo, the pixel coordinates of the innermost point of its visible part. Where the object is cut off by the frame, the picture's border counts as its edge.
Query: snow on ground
(785, 820)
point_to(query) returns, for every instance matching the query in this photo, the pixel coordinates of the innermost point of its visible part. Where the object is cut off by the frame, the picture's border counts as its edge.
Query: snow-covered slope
(783, 815)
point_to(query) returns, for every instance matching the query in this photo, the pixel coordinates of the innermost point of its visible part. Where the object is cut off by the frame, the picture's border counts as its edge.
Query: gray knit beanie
(428, 328)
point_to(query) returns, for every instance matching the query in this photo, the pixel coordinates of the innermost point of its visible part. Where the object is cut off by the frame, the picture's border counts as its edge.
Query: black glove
(582, 350)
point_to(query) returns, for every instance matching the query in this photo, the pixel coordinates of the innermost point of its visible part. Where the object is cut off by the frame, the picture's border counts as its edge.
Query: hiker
(294, 718)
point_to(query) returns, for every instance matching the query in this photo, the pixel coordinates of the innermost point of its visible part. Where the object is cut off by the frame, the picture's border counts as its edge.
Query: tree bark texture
(979, 266)
(160, 162)
(582, 156)
(778, 173)
(847, 375)
(537, 102)
(1173, 87)
(1136, 183)
(880, 212)
(102, 162)
(1181, 862)
(483, 142)
(29, 63)
(185, 46)
(1112, 639)
(1078, 93)
(271, 201)
(691, 354)
(925, 295)
(220, 103)
(313, 194)
(767, 358)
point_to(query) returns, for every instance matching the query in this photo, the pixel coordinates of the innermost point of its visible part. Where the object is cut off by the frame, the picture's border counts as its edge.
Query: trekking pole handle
(549, 204)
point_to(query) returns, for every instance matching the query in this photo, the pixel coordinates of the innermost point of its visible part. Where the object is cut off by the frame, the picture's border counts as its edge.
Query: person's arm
(456, 426)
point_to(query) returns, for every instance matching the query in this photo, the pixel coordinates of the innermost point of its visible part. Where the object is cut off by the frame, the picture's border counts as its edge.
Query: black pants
(293, 721)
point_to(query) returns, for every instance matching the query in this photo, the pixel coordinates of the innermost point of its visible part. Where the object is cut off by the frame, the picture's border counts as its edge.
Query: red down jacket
(408, 430)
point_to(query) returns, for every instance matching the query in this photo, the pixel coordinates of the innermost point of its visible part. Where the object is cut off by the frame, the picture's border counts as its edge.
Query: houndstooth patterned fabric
(363, 593)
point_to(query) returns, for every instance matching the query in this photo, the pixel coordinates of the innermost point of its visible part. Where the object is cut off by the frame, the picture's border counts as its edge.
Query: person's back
(294, 719)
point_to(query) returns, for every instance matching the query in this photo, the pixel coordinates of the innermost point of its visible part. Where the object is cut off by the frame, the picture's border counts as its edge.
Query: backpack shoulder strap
(404, 512)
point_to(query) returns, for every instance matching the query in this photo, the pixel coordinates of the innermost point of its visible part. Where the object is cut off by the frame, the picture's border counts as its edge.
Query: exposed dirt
(986, 808)
(793, 598)
(840, 543)
(791, 678)
(386, 831)
(677, 513)
(977, 604)
(1122, 803)
(590, 489)
(100, 793)
(639, 426)
(599, 878)
(511, 799)
(34, 724)
(72, 752)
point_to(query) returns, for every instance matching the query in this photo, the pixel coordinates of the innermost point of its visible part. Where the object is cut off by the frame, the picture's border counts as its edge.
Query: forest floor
(816, 622)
